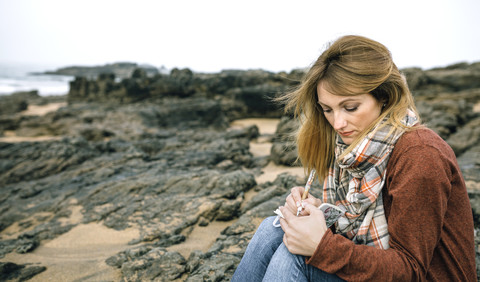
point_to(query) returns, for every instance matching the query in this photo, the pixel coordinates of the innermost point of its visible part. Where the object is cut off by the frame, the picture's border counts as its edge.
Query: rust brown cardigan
(429, 220)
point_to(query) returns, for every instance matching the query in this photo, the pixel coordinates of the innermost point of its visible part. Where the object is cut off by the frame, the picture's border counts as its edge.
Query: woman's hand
(303, 233)
(294, 200)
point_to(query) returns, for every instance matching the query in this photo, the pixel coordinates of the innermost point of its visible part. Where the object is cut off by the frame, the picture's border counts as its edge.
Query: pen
(305, 192)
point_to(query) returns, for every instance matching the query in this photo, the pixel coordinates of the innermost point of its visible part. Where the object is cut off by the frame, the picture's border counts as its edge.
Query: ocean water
(23, 77)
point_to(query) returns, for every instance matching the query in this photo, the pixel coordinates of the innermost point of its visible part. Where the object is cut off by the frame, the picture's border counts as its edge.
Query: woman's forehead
(339, 91)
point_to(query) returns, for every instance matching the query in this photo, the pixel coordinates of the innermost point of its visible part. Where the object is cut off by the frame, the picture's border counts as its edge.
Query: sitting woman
(405, 212)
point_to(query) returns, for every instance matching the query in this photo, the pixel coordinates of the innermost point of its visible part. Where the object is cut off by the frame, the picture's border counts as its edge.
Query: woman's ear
(384, 102)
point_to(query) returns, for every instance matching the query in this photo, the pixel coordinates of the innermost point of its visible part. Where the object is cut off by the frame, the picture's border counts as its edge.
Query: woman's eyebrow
(340, 104)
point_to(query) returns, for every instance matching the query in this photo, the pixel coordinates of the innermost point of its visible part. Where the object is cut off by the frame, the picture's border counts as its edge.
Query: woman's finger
(296, 193)
(313, 200)
(285, 241)
(290, 203)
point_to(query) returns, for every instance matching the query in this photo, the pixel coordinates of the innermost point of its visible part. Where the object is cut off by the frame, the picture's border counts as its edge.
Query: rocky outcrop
(16, 102)
(156, 153)
(12, 105)
(284, 150)
(452, 78)
(240, 93)
(14, 272)
(220, 261)
(121, 70)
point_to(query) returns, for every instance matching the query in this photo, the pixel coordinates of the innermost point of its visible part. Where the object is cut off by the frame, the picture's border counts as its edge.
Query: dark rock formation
(156, 153)
(284, 151)
(121, 70)
(14, 272)
(16, 102)
(240, 93)
(220, 261)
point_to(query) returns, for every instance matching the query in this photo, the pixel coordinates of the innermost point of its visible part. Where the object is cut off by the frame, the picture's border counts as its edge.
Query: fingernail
(298, 204)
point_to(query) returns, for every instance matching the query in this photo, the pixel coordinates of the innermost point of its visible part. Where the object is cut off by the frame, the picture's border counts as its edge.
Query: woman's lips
(346, 133)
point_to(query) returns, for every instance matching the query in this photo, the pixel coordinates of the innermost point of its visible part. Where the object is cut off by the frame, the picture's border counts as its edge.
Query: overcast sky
(208, 36)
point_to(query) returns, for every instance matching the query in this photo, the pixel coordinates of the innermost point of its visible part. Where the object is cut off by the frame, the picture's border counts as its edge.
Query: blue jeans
(268, 259)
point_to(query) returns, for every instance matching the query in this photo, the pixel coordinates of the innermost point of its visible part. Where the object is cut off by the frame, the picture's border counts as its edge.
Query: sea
(27, 77)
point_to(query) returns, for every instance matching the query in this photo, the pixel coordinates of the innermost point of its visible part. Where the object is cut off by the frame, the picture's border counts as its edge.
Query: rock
(469, 163)
(14, 272)
(25, 246)
(452, 78)
(103, 89)
(466, 137)
(215, 268)
(284, 150)
(474, 195)
(229, 210)
(179, 84)
(445, 116)
(121, 70)
(241, 93)
(157, 264)
(257, 101)
(16, 102)
(416, 78)
(455, 78)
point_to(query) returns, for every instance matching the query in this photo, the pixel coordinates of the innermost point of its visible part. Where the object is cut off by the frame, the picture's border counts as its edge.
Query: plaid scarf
(355, 183)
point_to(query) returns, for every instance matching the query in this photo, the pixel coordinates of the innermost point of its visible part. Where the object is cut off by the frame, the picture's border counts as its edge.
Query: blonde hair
(352, 65)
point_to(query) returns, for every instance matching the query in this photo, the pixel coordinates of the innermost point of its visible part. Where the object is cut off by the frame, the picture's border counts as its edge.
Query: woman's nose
(340, 122)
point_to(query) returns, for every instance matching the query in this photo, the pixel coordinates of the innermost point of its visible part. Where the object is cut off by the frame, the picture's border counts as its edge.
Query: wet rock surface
(157, 154)
(14, 272)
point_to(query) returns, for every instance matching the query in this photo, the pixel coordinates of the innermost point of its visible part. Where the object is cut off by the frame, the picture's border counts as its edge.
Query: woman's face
(348, 115)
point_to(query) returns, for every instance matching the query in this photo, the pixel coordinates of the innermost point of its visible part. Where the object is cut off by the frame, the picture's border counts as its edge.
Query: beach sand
(33, 110)
(80, 254)
(476, 108)
(40, 110)
(261, 147)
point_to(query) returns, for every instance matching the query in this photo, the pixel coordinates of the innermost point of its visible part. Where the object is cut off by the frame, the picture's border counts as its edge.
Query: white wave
(22, 79)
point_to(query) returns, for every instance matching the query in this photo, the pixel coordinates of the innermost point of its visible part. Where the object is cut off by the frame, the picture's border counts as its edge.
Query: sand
(476, 108)
(261, 147)
(201, 238)
(33, 110)
(11, 137)
(265, 125)
(40, 110)
(80, 254)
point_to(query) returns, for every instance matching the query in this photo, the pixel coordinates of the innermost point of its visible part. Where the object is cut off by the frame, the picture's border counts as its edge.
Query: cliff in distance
(120, 70)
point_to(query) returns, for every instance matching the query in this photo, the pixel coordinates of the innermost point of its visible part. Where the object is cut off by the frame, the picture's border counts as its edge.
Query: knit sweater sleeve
(419, 185)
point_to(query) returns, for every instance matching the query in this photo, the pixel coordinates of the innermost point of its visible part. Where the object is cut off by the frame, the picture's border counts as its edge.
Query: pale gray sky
(211, 35)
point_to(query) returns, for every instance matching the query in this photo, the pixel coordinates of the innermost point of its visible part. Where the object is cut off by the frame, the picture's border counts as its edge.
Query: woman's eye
(351, 109)
(326, 110)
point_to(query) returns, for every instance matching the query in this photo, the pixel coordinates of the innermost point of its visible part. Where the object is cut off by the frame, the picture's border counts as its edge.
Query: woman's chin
(347, 140)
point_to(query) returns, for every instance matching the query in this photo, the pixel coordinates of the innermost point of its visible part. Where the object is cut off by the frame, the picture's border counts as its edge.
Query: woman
(406, 212)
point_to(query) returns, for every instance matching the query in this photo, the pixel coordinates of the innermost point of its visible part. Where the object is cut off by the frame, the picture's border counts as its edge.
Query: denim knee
(266, 239)
(259, 252)
(267, 231)
(285, 266)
